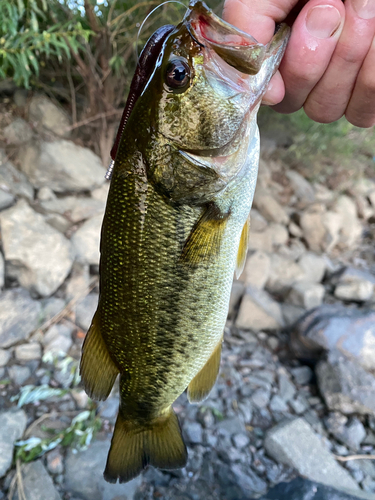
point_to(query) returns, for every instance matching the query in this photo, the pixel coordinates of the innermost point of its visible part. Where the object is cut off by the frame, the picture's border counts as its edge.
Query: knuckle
(351, 54)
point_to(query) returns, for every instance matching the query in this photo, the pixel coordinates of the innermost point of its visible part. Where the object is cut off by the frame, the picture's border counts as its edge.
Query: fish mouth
(237, 48)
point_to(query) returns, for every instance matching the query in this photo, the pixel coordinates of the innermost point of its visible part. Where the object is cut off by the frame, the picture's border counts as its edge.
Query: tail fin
(160, 444)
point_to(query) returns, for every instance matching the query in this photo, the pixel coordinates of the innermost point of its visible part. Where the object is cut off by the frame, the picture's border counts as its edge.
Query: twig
(354, 457)
(20, 489)
(73, 95)
(12, 487)
(45, 416)
(94, 118)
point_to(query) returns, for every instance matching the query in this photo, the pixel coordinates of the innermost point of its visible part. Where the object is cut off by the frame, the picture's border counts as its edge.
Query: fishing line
(149, 14)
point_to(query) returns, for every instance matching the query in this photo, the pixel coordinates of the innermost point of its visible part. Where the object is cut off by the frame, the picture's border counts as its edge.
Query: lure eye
(177, 74)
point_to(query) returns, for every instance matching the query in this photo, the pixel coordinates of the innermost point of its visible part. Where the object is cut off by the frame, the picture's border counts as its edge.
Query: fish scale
(175, 230)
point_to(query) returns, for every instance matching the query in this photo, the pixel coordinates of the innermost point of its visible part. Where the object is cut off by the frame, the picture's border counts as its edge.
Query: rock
(17, 132)
(84, 475)
(13, 181)
(294, 443)
(277, 404)
(284, 272)
(287, 389)
(79, 282)
(26, 352)
(59, 222)
(248, 481)
(52, 307)
(12, 426)
(346, 386)
(279, 234)
(261, 241)
(257, 222)
(20, 98)
(58, 339)
(355, 285)
(257, 269)
(101, 193)
(261, 398)
(302, 188)
(46, 115)
(37, 484)
(314, 266)
(2, 271)
(351, 434)
(46, 194)
(85, 310)
(351, 228)
(306, 294)
(55, 464)
(61, 165)
(291, 313)
(109, 408)
(39, 256)
(193, 432)
(86, 241)
(302, 375)
(337, 329)
(75, 209)
(333, 222)
(313, 228)
(4, 357)
(269, 207)
(19, 374)
(258, 311)
(303, 489)
(240, 440)
(238, 289)
(6, 199)
(19, 316)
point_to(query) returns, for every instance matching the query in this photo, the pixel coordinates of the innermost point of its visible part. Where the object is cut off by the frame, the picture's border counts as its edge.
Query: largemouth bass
(175, 229)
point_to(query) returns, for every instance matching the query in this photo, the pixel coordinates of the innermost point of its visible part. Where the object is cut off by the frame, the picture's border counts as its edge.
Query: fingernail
(323, 21)
(364, 8)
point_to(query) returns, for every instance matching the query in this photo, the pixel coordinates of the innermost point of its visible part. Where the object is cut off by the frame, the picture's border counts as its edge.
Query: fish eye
(177, 74)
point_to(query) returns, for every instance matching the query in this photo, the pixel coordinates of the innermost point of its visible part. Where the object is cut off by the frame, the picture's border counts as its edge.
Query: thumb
(257, 17)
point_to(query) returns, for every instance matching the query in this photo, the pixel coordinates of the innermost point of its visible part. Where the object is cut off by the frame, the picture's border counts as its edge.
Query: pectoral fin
(242, 249)
(97, 369)
(205, 238)
(201, 385)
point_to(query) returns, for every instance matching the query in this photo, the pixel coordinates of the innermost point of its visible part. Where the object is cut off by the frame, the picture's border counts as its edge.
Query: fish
(175, 229)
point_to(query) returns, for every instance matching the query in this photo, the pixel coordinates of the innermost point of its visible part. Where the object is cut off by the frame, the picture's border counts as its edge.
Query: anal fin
(201, 385)
(98, 371)
(134, 446)
(205, 239)
(243, 247)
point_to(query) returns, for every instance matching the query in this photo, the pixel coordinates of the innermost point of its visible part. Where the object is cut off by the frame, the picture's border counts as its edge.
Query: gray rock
(37, 484)
(2, 271)
(351, 228)
(19, 316)
(261, 398)
(299, 405)
(279, 234)
(57, 339)
(39, 257)
(52, 307)
(109, 408)
(257, 269)
(314, 266)
(46, 115)
(101, 193)
(291, 313)
(231, 425)
(75, 209)
(287, 389)
(278, 404)
(346, 386)
(283, 273)
(6, 199)
(46, 194)
(240, 440)
(84, 475)
(17, 132)
(4, 357)
(19, 374)
(258, 222)
(269, 207)
(55, 464)
(13, 181)
(306, 294)
(238, 289)
(303, 489)
(248, 481)
(193, 432)
(61, 165)
(302, 374)
(79, 282)
(261, 241)
(354, 284)
(85, 310)
(86, 241)
(26, 352)
(337, 329)
(59, 222)
(258, 311)
(302, 188)
(350, 434)
(12, 426)
(294, 443)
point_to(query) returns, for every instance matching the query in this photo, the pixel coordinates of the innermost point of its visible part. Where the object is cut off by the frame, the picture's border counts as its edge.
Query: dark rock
(19, 374)
(303, 489)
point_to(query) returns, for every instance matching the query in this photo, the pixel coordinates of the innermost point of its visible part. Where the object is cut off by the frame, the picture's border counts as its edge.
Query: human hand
(329, 65)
